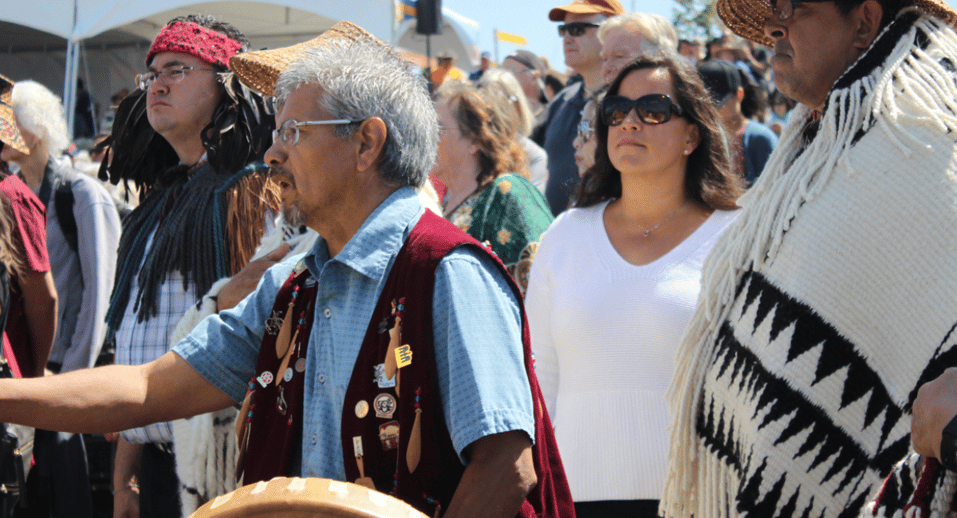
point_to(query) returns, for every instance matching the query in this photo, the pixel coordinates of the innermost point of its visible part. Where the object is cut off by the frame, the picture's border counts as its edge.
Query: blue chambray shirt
(477, 336)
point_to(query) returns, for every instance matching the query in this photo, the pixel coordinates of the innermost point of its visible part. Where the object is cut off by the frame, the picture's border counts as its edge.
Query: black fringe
(186, 208)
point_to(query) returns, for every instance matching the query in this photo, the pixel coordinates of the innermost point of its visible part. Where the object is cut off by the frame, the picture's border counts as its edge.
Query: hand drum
(306, 497)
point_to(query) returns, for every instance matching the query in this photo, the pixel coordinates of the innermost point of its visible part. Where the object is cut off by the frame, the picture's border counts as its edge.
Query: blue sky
(529, 18)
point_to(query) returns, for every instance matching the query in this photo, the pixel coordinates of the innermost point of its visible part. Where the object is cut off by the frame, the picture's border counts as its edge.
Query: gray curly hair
(364, 79)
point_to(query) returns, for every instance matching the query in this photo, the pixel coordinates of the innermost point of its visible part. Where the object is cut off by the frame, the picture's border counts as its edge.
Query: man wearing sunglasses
(182, 138)
(832, 298)
(579, 33)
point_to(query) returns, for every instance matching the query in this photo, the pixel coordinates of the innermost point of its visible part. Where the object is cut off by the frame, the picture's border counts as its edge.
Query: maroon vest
(270, 419)
(394, 430)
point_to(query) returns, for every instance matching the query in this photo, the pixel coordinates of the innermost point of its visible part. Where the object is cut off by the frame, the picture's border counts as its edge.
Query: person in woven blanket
(832, 298)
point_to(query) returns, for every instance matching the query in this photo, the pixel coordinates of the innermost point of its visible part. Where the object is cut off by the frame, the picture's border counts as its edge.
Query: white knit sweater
(829, 301)
(604, 334)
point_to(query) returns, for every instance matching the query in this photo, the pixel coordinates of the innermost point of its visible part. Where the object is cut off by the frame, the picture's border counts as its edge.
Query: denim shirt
(476, 325)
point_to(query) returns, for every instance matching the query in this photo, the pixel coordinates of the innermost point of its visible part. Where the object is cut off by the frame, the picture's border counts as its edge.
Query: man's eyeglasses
(651, 109)
(585, 131)
(170, 75)
(574, 29)
(783, 10)
(288, 132)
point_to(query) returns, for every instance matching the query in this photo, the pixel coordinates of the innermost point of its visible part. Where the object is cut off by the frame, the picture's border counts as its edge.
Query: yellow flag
(511, 38)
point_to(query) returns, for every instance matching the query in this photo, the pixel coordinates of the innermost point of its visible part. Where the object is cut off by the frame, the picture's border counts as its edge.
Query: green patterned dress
(509, 215)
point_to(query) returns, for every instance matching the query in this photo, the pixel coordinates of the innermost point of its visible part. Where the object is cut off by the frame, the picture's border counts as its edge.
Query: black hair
(890, 7)
(755, 101)
(709, 179)
(777, 97)
(553, 82)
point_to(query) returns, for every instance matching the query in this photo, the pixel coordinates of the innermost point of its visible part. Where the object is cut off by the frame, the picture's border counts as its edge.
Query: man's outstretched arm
(110, 398)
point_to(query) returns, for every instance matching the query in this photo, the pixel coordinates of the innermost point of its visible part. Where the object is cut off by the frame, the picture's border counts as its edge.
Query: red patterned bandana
(193, 39)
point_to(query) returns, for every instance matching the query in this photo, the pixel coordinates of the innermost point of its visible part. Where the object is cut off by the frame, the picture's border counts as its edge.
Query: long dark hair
(708, 176)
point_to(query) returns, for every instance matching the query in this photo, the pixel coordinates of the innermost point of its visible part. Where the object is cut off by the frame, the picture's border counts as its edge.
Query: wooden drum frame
(284, 497)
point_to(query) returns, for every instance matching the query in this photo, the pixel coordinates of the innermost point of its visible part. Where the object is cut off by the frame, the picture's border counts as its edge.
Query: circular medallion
(287, 376)
(300, 364)
(384, 406)
(362, 409)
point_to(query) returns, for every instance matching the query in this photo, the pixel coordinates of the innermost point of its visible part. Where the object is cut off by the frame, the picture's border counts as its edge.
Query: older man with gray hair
(631, 35)
(394, 354)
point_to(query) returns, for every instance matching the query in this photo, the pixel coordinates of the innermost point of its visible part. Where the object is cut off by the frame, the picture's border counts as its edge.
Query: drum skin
(284, 497)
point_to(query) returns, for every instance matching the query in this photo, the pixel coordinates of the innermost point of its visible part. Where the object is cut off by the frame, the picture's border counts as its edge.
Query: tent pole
(70, 74)
(69, 84)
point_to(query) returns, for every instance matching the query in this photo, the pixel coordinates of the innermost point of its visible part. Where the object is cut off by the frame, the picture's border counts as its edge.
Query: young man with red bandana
(200, 219)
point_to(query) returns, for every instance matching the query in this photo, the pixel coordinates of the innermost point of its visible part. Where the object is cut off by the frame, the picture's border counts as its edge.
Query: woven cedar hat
(746, 17)
(260, 70)
(9, 133)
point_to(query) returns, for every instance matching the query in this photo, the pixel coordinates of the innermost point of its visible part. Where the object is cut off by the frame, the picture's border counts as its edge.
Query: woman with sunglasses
(484, 168)
(616, 279)
(584, 143)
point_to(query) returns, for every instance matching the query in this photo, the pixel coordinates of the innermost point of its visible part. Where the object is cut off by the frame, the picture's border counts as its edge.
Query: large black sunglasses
(574, 29)
(651, 109)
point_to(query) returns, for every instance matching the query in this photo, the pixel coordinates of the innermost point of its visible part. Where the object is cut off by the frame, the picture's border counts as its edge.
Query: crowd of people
(693, 280)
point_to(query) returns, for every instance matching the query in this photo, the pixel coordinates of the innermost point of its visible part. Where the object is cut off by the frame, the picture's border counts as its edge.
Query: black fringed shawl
(190, 210)
(189, 219)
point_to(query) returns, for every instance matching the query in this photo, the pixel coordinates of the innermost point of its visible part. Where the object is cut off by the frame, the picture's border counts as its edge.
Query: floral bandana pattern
(191, 38)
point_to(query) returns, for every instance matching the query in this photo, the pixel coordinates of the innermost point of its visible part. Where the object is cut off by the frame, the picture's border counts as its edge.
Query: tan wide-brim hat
(260, 70)
(9, 133)
(606, 7)
(746, 17)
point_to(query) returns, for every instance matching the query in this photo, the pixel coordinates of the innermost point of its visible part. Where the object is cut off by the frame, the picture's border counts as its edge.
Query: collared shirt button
(328, 313)
(313, 438)
(322, 378)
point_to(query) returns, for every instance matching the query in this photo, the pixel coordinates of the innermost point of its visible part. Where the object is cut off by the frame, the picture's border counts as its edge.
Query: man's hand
(244, 282)
(126, 503)
(500, 474)
(935, 406)
(126, 492)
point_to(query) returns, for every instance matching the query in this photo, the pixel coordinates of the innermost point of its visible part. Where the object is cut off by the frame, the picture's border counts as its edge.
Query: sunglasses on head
(574, 29)
(651, 109)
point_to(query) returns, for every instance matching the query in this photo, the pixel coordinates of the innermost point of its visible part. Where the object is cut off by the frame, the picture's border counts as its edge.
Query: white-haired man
(631, 35)
(832, 298)
(394, 354)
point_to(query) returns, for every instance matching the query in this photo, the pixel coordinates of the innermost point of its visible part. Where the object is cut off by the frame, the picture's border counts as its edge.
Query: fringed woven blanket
(830, 300)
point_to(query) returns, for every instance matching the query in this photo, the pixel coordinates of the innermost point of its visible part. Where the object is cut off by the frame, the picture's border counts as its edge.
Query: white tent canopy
(46, 39)
(456, 38)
